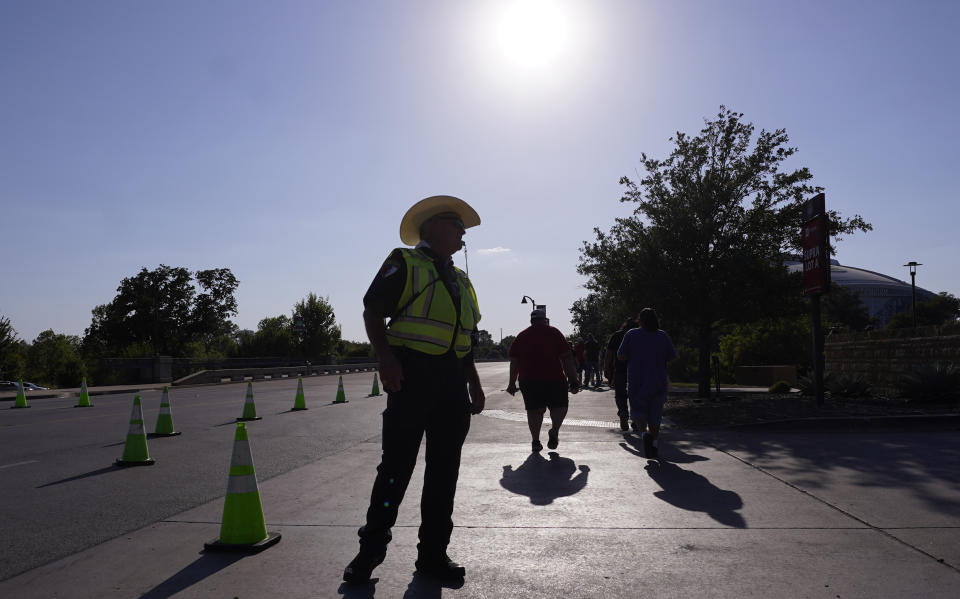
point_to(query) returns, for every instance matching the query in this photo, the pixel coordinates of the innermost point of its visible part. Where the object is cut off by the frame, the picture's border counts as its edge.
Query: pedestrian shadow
(667, 452)
(422, 587)
(98, 472)
(202, 567)
(544, 480)
(366, 590)
(690, 491)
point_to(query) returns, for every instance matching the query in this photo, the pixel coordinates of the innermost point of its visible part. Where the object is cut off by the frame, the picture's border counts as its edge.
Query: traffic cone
(84, 401)
(135, 452)
(243, 528)
(299, 402)
(341, 396)
(21, 401)
(249, 408)
(164, 426)
(375, 392)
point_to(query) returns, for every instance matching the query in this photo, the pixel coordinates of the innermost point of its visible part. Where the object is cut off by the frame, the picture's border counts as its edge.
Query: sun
(532, 33)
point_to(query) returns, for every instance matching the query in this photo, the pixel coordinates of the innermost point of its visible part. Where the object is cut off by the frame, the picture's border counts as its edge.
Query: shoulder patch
(388, 269)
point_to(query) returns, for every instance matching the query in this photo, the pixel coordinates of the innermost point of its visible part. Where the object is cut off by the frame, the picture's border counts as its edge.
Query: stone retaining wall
(883, 357)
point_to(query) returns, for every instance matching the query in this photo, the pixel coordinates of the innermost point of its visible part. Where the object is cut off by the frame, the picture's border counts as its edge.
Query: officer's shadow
(690, 491)
(544, 480)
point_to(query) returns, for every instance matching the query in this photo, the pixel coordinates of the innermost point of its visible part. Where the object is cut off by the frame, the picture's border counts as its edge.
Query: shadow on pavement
(359, 591)
(544, 480)
(82, 476)
(913, 461)
(690, 491)
(205, 565)
(427, 588)
(668, 452)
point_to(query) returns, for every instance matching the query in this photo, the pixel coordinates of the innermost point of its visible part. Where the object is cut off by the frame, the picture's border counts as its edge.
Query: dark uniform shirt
(383, 295)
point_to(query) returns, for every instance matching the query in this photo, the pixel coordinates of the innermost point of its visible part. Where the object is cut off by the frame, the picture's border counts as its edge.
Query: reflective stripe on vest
(428, 324)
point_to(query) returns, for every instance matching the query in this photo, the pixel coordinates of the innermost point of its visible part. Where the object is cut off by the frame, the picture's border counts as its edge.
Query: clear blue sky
(284, 140)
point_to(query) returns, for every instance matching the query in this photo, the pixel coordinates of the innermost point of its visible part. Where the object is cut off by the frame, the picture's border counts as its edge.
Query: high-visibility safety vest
(428, 323)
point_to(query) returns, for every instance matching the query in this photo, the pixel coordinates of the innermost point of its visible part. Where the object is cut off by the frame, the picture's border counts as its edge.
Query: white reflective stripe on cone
(136, 428)
(241, 454)
(246, 483)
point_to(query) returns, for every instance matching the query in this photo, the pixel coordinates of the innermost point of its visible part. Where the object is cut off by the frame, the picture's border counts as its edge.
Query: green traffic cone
(300, 402)
(164, 426)
(21, 401)
(341, 396)
(135, 452)
(84, 400)
(249, 408)
(376, 387)
(243, 528)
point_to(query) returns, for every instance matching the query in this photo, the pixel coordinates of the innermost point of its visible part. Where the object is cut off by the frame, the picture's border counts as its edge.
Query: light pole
(536, 306)
(913, 288)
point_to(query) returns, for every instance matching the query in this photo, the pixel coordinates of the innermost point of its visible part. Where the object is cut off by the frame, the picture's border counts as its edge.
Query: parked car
(12, 386)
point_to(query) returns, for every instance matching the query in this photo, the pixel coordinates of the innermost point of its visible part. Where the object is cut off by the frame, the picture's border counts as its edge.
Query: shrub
(847, 385)
(938, 382)
(806, 384)
(779, 387)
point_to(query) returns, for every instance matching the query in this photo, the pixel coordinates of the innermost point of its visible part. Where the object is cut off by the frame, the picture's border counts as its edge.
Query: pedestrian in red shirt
(542, 360)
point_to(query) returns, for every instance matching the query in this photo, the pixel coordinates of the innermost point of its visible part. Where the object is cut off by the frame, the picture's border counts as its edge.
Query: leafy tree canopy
(706, 240)
(316, 325)
(161, 310)
(943, 309)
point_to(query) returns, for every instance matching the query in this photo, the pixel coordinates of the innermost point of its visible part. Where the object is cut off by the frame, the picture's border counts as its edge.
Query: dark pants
(620, 393)
(433, 401)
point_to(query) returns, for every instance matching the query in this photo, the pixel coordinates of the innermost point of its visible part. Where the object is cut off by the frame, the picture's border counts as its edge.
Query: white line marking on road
(18, 464)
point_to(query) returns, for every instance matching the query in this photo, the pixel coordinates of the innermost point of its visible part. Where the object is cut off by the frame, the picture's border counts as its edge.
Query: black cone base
(241, 419)
(174, 434)
(122, 464)
(272, 539)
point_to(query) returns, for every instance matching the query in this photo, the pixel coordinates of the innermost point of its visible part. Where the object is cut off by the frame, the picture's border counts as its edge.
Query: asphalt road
(61, 491)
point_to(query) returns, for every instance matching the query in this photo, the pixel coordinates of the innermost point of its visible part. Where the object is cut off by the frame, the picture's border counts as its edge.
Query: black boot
(441, 567)
(360, 568)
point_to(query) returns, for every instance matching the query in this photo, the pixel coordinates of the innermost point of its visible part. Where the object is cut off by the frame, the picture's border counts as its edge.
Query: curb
(929, 422)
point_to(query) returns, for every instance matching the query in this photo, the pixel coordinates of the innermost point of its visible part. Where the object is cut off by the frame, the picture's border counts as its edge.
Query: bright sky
(285, 140)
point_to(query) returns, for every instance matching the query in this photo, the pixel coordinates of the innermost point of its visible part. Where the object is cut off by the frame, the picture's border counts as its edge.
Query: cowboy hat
(420, 212)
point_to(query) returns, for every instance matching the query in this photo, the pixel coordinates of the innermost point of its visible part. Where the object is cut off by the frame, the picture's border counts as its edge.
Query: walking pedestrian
(616, 372)
(580, 358)
(426, 366)
(646, 351)
(591, 350)
(541, 359)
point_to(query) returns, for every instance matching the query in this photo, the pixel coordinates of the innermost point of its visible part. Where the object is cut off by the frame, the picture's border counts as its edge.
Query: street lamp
(536, 306)
(913, 288)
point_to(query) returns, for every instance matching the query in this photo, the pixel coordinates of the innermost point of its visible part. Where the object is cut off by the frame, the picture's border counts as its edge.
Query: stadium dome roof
(883, 295)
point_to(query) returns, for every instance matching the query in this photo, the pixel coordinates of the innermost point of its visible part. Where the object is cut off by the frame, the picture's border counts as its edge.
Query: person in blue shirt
(647, 350)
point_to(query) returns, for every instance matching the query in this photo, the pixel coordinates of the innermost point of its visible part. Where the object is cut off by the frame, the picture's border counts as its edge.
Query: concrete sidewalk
(723, 514)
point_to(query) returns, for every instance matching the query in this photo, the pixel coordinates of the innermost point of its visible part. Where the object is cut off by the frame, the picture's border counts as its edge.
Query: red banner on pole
(816, 250)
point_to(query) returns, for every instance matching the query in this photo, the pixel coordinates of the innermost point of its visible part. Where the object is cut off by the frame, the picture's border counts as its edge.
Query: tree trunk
(704, 336)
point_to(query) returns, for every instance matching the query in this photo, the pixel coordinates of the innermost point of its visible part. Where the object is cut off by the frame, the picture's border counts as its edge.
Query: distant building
(883, 295)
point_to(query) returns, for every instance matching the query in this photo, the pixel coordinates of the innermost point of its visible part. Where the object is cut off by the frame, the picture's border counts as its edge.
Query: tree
(843, 308)
(55, 358)
(274, 337)
(11, 360)
(942, 309)
(159, 310)
(707, 239)
(320, 333)
(213, 306)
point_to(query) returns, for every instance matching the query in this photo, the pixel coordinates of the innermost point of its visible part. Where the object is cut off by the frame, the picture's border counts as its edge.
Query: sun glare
(532, 33)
